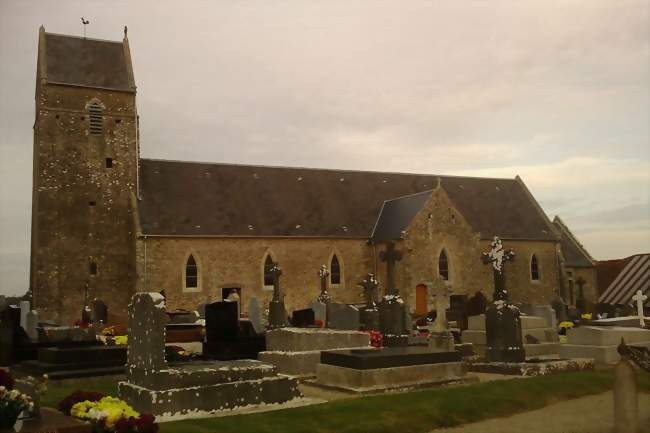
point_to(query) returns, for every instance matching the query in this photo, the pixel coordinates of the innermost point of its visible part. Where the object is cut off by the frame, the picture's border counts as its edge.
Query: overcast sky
(555, 91)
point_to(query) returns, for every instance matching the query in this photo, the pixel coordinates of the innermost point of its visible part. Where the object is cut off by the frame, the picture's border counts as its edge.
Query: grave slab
(541, 367)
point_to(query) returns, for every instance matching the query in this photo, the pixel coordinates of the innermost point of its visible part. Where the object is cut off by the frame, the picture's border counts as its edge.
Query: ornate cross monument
(324, 274)
(497, 257)
(392, 317)
(639, 298)
(370, 313)
(502, 322)
(277, 313)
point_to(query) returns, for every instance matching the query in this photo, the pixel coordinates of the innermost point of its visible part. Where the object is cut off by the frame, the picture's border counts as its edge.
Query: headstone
(201, 307)
(638, 298)
(441, 339)
(8, 324)
(342, 316)
(234, 297)
(323, 274)
(100, 311)
(476, 304)
(626, 404)
(502, 322)
(277, 312)
(302, 318)
(391, 308)
(557, 303)
(25, 308)
(255, 314)
(320, 311)
(147, 320)
(221, 321)
(408, 320)
(369, 315)
(31, 325)
(86, 314)
(3, 303)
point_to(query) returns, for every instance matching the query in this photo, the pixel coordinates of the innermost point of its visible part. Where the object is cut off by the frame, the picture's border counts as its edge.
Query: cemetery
(171, 370)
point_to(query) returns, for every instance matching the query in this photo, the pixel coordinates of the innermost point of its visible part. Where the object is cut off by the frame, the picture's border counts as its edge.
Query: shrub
(7, 380)
(66, 404)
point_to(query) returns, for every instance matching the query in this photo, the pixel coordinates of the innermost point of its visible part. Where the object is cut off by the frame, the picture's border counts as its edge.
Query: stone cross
(275, 272)
(370, 286)
(639, 298)
(324, 274)
(498, 257)
(390, 256)
(441, 296)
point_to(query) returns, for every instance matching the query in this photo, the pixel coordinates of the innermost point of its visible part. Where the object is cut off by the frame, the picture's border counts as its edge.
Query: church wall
(590, 288)
(439, 225)
(70, 172)
(238, 262)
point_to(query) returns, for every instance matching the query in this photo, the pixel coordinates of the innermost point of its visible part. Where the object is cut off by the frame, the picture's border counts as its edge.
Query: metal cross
(275, 272)
(324, 274)
(497, 257)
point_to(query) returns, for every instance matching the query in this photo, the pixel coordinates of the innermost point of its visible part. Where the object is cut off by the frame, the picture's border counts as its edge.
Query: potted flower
(12, 404)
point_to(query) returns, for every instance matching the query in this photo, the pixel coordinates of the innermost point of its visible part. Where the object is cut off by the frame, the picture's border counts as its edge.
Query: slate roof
(575, 255)
(396, 215)
(86, 62)
(208, 199)
(634, 276)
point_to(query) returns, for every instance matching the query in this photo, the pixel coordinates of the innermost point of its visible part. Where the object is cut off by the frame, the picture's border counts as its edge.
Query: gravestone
(147, 320)
(323, 274)
(25, 308)
(201, 307)
(557, 303)
(342, 316)
(31, 325)
(302, 318)
(476, 304)
(221, 321)
(441, 339)
(9, 321)
(391, 308)
(369, 315)
(277, 312)
(255, 315)
(320, 311)
(234, 297)
(502, 322)
(638, 299)
(99, 311)
(3, 303)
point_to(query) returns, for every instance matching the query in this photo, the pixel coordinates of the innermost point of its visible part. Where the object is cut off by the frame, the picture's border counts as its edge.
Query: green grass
(413, 412)
(57, 393)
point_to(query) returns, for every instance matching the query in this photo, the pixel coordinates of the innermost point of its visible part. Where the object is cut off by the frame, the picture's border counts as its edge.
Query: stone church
(107, 223)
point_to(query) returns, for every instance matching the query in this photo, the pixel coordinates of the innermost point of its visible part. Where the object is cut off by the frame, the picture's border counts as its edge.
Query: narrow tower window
(268, 264)
(109, 162)
(534, 268)
(191, 273)
(443, 265)
(92, 268)
(335, 270)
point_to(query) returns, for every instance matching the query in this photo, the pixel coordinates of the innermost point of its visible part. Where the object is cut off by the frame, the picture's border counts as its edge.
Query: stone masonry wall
(439, 226)
(238, 262)
(68, 233)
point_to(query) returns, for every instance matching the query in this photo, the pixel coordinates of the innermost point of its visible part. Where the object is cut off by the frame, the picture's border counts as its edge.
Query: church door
(420, 300)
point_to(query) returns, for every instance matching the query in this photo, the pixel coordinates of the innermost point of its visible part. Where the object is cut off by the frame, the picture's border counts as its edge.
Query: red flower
(6, 379)
(66, 404)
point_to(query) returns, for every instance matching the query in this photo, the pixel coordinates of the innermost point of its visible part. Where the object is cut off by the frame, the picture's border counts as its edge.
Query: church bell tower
(85, 177)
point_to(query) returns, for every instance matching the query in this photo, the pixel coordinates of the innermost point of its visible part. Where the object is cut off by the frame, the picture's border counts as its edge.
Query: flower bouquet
(12, 404)
(112, 415)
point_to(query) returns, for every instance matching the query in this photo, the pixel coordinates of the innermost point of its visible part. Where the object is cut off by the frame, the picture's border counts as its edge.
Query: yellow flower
(121, 339)
(586, 316)
(566, 324)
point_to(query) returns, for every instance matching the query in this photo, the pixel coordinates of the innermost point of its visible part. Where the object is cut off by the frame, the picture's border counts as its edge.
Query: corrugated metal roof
(635, 276)
(396, 215)
(208, 199)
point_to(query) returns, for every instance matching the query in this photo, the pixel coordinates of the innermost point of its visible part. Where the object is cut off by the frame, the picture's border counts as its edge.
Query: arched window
(268, 264)
(534, 268)
(335, 270)
(443, 265)
(93, 268)
(191, 273)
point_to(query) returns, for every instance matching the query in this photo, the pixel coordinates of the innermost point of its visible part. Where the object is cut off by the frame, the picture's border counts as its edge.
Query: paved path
(592, 414)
